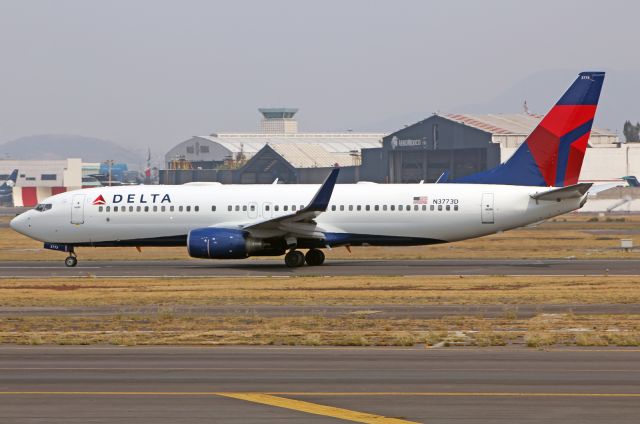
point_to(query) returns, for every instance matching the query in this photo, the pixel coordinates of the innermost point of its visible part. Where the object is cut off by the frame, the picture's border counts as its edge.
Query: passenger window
(285, 207)
(213, 208)
(180, 208)
(155, 208)
(197, 208)
(115, 209)
(244, 208)
(367, 208)
(408, 208)
(301, 207)
(376, 207)
(237, 208)
(350, 207)
(399, 207)
(455, 207)
(448, 207)
(108, 208)
(393, 207)
(384, 207)
(276, 208)
(130, 208)
(267, 207)
(138, 208)
(229, 208)
(359, 207)
(333, 207)
(162, 208)
(188, 208)
(293, 208)
(171, 208)
(424, 207)
(146, 208)
(439, 207)
(253, 208)
(341, 207)
(431, 207)
(100, 209)
(416, 207)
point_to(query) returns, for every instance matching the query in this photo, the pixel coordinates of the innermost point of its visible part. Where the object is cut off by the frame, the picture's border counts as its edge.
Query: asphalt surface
(521, 311)
(260, 268)
(52, 384)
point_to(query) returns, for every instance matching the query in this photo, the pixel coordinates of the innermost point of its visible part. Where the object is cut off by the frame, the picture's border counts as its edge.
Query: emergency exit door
(77, 209)
(487, 208)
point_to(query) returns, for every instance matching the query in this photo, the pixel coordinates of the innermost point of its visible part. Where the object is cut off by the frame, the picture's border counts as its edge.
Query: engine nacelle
(221, 243)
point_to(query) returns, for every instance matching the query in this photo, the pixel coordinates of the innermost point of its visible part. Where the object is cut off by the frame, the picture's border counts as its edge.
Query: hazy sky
(152, 73)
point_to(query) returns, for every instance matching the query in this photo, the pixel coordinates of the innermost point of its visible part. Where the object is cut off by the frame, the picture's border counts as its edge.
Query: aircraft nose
(19, 224)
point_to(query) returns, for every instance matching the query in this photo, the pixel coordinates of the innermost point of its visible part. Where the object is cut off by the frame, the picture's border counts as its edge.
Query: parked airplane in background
(6, 189)
(219, 221)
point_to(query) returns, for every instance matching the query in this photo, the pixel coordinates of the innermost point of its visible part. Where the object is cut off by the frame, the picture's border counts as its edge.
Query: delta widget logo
(99, 201)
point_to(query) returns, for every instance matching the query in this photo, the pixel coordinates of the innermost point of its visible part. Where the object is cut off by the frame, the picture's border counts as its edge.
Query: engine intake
(222, 243)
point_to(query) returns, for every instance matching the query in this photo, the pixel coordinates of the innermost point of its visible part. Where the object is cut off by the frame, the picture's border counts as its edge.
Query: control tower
(278, 120)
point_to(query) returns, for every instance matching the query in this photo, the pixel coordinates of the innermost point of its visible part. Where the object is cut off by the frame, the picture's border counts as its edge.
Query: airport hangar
(458, 143)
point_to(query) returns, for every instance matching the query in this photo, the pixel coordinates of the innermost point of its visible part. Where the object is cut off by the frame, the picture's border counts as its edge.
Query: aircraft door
(77, 209)
(487, 208)
(253, 210)
(266, 210)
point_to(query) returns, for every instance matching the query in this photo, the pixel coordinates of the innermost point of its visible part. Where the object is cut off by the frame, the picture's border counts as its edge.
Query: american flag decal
(421, 200)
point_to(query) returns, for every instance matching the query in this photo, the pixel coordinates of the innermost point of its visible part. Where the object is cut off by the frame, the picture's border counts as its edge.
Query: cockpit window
(41, 207)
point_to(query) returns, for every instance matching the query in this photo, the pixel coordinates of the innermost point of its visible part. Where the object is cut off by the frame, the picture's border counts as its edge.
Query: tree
(631, 132)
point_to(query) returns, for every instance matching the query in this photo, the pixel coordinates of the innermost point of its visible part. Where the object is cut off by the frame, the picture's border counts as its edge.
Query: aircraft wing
(302, 220)
(297, 224)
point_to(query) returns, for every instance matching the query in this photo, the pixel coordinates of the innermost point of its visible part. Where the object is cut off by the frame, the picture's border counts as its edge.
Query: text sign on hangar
(408, 143)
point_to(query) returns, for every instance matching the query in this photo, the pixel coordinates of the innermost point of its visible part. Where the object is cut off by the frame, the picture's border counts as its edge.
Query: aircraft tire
(71, 261)
(294, 259)
(314, 257)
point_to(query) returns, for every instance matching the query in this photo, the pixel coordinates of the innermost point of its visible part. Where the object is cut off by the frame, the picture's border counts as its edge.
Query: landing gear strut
(314, 257)
(294, 259)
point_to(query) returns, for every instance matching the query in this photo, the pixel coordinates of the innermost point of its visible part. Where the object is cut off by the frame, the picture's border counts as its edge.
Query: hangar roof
(311, 155)
(508, 124)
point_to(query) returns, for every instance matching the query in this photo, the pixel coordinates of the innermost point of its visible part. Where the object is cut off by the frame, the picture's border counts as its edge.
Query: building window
(190, 149)
(204, 149)
(48, 177)
(30, 178)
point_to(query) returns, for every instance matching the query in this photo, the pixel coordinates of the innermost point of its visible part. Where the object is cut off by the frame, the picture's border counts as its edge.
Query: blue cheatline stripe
(565, 147)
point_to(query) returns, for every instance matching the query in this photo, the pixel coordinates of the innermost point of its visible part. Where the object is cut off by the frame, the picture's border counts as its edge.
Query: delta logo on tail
(552, 154)
(99, 201)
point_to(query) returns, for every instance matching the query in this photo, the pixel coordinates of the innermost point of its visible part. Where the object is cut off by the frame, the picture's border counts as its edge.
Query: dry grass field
(579, 236)
(165, 311)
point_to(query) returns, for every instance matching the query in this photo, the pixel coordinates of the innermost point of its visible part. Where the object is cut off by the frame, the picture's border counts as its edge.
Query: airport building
(39, 179)
(463, 144)
(278, 150)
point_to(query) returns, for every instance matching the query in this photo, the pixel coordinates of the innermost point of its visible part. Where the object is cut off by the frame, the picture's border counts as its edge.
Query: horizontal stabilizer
(569, 192)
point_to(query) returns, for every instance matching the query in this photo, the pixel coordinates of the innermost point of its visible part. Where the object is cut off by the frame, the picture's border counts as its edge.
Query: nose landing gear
(71, 260)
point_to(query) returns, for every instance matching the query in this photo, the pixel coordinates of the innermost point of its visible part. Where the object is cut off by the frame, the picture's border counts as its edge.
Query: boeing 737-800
(217, 221)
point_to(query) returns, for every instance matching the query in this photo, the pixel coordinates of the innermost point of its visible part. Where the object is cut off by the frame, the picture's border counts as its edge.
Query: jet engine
(222, 243)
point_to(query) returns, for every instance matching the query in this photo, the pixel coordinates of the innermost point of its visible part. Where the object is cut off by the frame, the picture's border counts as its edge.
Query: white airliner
(217, 221)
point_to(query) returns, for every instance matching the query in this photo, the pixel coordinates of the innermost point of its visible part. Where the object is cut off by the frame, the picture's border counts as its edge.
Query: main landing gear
(295, 258)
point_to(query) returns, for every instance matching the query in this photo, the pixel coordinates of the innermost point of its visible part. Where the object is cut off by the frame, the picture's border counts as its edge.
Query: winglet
(320, 201)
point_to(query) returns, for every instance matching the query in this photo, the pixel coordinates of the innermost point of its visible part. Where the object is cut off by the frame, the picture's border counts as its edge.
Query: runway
(281, 384)
(266, 268)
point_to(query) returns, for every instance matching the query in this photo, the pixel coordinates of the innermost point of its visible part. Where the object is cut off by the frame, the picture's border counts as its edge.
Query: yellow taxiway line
(315, 408)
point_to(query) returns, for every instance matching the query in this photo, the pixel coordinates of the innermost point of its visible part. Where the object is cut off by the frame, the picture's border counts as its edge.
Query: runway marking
(315, 408)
